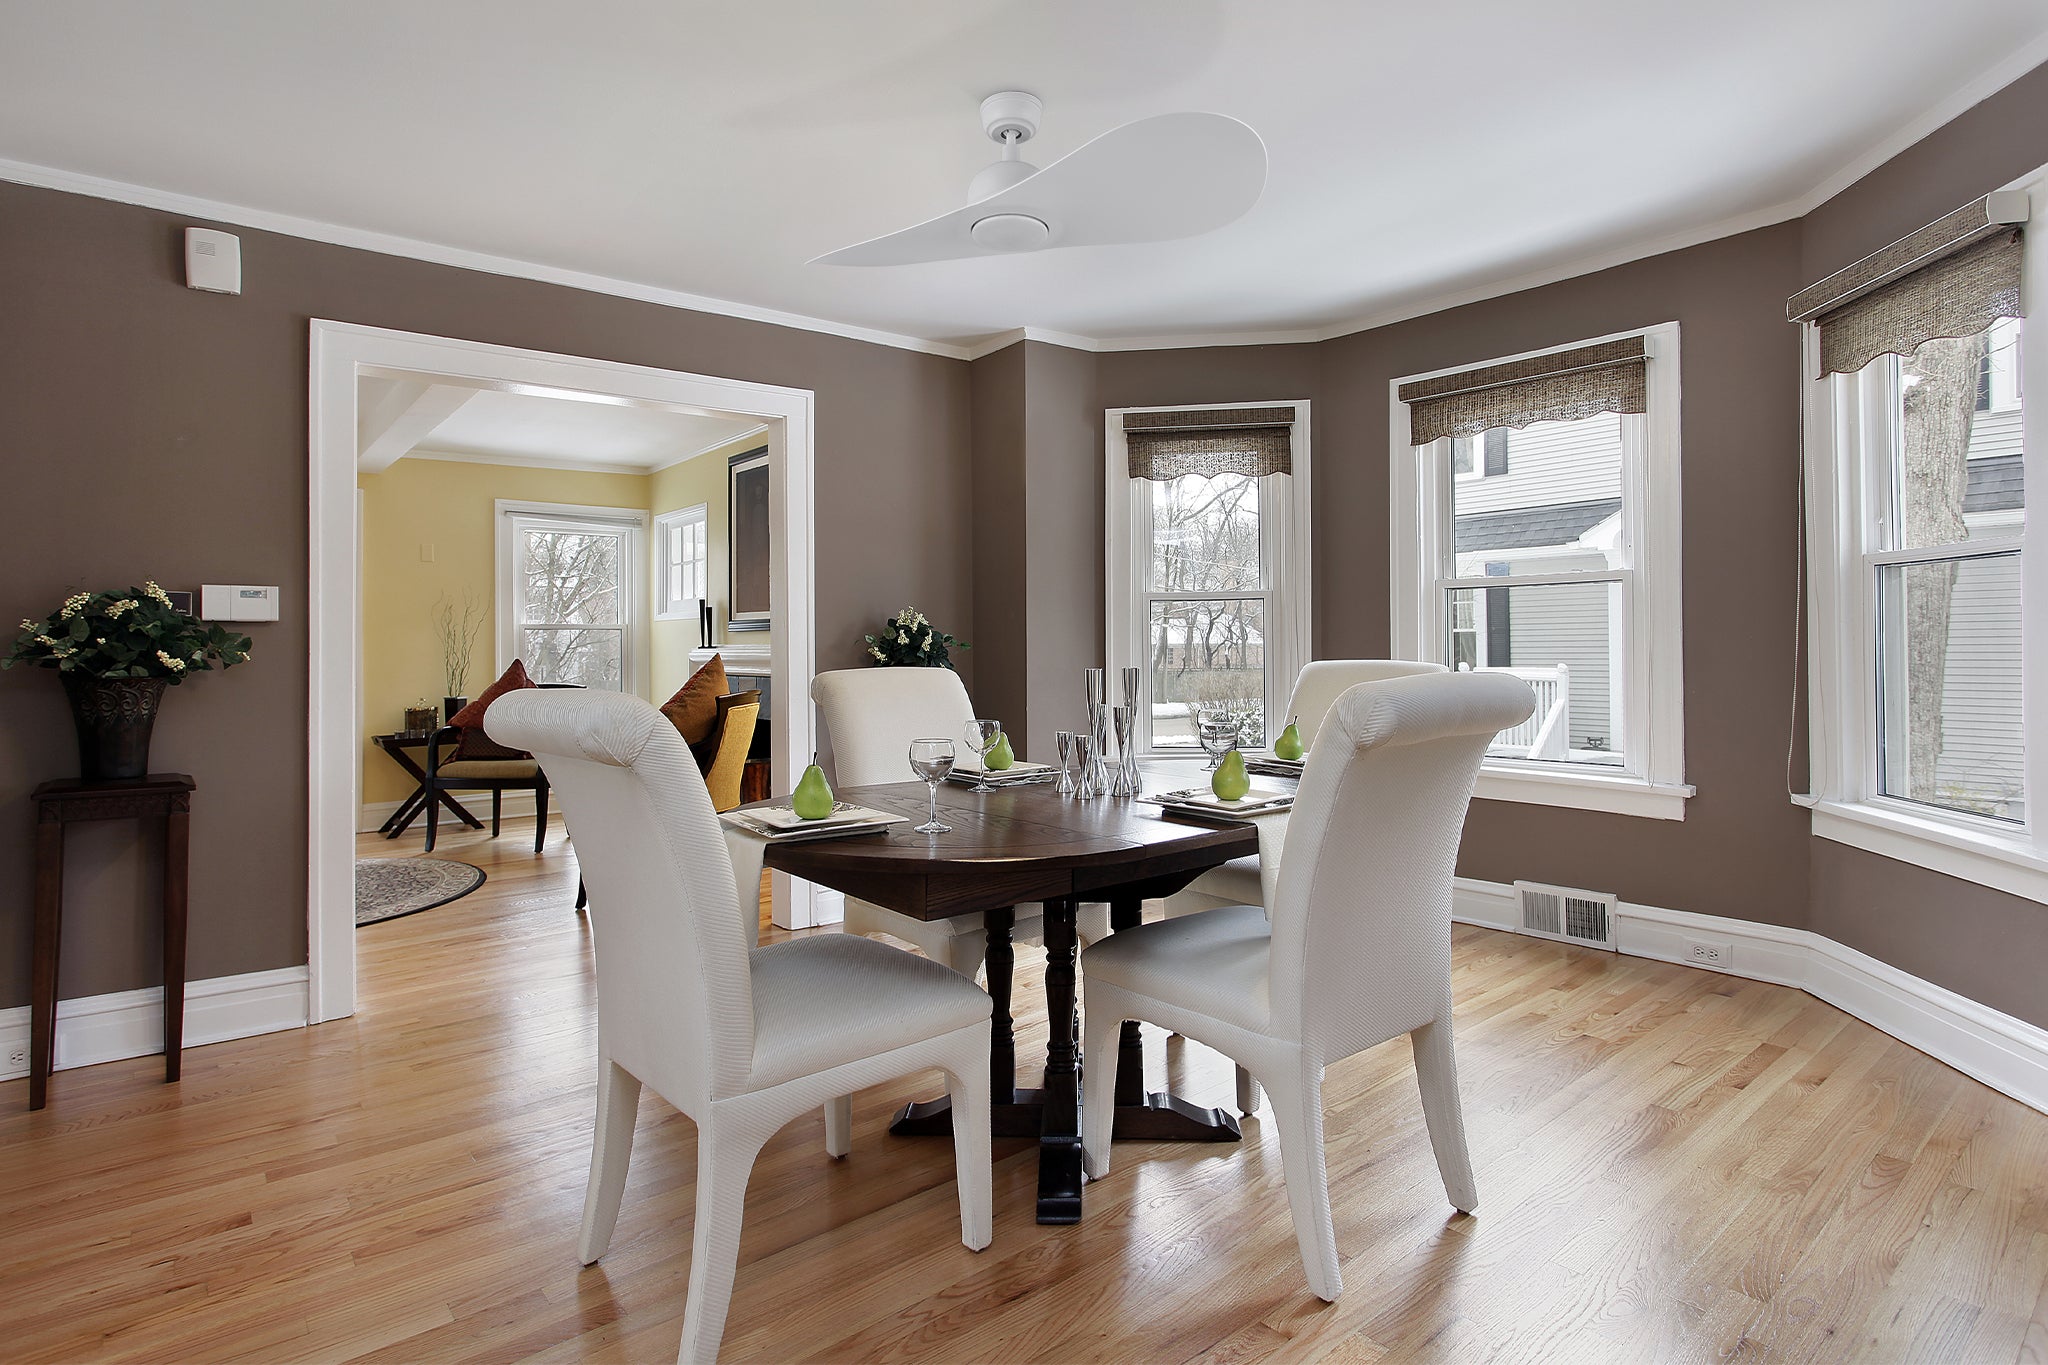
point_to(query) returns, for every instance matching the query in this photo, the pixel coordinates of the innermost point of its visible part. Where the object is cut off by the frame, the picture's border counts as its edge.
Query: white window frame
(1284, 503)
(1845, 515)
(1650, 636)
(513, 517)
(680, 607)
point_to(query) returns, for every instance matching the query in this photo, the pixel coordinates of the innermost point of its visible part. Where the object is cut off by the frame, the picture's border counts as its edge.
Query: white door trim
(340, 353)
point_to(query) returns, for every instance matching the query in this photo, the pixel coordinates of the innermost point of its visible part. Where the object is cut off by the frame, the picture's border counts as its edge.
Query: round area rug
(389, 887)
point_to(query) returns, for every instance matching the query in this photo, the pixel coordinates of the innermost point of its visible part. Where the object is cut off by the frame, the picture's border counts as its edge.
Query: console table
(164, 796)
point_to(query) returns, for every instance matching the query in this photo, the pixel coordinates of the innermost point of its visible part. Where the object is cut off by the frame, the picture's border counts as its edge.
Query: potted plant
(456, 625)
(908, 640)
(115, 652)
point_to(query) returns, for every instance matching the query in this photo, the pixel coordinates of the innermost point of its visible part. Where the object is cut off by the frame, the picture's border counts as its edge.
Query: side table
(165, 796)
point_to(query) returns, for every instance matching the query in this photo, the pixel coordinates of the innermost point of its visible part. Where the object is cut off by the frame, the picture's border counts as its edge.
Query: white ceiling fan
(1168, 176)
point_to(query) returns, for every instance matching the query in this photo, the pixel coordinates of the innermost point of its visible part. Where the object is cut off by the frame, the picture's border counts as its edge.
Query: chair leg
(1103, 1029)
(973, 1149)
(497, 809)
(725, 1158)
(1298, 1112)
(964, 953)
(618, 1102)
(839, 1126)
(433, 818)
(540, 817)
(1247, 1092)
(1436, 1072)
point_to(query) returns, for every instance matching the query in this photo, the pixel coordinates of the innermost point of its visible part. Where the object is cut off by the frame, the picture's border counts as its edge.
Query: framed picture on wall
(747, 596)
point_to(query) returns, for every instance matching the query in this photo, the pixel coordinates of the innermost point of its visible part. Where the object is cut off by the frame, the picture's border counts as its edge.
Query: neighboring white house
(1547, 498)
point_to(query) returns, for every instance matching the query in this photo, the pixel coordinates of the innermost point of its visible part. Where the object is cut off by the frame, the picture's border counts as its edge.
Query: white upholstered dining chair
(872, 714)
(1316, 689)
(740, 1038)
(1237, 882)
(1357, 950)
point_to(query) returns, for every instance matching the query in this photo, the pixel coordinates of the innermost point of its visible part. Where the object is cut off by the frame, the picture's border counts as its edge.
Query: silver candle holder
(1124, 783)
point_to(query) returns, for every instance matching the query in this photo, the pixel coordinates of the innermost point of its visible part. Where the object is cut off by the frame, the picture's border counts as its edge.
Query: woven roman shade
(1210, 441)
(1606, 377)
(1952, 278)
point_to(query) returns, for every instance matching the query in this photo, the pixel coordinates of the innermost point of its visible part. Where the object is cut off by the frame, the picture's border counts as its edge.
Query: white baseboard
(2008, 1054)
(108, 1028)
(371, 817)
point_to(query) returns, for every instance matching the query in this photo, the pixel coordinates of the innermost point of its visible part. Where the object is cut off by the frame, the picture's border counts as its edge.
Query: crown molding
(749, 434)
(527, 462)
(388, 244)
(1904, 135)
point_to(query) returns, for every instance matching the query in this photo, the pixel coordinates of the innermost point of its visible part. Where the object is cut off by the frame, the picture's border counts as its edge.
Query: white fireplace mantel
(751, 658)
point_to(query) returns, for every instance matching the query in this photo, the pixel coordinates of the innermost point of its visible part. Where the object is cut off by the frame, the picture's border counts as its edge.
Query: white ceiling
(397, 418)
(1418, 151)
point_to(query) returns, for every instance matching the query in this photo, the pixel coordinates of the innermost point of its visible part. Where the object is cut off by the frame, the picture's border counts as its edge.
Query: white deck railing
(1547, 732)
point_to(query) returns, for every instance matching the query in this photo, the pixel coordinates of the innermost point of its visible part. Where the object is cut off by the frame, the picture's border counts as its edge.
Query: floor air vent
(1566, 914)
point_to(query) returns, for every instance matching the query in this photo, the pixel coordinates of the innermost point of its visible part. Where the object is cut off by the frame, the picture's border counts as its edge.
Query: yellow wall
(699, 479)
(449, 507)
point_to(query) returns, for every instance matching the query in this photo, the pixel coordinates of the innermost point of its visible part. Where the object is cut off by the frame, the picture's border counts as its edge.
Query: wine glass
(932, 760)
(1218, 732)
(981, 737)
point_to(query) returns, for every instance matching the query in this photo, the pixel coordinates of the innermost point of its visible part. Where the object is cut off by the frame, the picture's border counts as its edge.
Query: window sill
(1584, 791)
(2005, 862)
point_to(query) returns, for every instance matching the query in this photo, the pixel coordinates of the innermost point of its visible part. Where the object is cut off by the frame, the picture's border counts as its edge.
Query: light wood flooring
(1673, 1165)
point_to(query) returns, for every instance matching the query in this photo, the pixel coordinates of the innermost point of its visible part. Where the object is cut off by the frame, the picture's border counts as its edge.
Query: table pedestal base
(1161, 1118)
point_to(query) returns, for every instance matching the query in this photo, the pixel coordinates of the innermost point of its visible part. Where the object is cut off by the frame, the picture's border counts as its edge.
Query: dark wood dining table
(1013, 846)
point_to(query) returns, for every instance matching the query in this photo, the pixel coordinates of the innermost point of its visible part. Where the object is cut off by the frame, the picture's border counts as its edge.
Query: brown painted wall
(1976, 941)
(1974, 153)
(1741, 849)
(1063, 422)
(1001, 641)
(151, 430)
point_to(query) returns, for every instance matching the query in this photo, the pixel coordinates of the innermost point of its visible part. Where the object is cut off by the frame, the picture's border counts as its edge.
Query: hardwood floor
(1674, 1165)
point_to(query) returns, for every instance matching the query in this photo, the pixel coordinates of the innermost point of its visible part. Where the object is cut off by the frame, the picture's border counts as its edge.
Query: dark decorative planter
(114, 717)
(449, 706)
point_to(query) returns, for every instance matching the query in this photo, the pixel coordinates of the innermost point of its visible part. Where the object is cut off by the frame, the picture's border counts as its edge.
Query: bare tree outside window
(572, 623)
(1208, 645)
(1948, 656)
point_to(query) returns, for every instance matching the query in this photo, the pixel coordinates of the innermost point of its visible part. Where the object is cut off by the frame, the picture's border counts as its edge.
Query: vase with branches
(456, 624)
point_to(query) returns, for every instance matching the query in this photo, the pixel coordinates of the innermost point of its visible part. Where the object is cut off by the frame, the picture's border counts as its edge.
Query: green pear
(812, 799)
(1002, 756)
(1230, 782)
(1288, 746)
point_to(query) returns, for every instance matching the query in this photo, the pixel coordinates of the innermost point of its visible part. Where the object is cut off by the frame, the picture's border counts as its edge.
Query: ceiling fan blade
(1169, 176)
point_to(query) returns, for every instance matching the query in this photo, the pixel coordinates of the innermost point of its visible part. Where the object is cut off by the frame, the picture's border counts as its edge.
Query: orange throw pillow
(471, 717)
(693, 710)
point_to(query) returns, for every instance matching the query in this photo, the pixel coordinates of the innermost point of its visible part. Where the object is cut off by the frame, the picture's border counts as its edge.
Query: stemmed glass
(1219, 735)
(932, 760)
(981, 737)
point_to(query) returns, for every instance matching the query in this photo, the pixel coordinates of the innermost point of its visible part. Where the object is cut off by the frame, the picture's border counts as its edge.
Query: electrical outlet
(1709, 953)
(17, 1059)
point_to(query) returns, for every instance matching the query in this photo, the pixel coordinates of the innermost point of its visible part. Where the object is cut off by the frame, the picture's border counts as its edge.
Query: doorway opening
(474, 494)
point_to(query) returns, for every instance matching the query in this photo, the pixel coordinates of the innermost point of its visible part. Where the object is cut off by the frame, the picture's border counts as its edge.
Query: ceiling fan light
(1011, 232)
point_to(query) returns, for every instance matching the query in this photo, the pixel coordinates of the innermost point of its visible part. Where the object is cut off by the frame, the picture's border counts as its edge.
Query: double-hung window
(1917, 450)
(1535, 533)
(680, 549)
(570, 593)
(1208, 580)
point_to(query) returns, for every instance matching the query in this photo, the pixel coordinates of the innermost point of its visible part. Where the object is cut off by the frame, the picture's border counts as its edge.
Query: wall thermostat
(213, 261)
(237, 602)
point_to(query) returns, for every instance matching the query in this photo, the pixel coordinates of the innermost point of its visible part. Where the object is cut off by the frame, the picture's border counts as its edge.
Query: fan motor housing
(1011, 113)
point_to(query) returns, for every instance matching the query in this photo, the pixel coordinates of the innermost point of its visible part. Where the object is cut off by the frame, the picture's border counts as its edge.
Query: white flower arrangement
(908, 639)
(132, 634)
